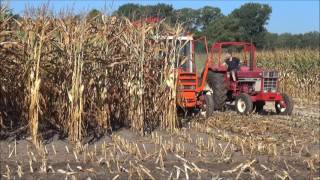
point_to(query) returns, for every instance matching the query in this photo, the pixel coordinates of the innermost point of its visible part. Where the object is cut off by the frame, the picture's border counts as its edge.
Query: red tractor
(251, 89)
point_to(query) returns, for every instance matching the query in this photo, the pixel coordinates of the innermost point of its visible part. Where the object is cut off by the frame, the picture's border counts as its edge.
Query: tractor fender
(211, 67)
(217, 68)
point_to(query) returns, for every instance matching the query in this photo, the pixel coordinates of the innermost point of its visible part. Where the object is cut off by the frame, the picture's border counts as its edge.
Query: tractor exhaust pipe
(251, 59)
(251, 56)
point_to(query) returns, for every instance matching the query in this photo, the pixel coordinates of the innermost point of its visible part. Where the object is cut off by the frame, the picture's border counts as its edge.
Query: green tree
(188, 17)
(130, 10)
(161, 10)
(252, 19)
(245, 23)
(207, 15)
(135, 11)
(288, 40)
(270, 40)
(94, 13)
(311, 39)
(223, 29)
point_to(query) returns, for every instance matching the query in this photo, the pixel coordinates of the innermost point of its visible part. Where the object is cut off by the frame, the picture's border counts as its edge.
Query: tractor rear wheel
(209, 105)
(219, 90)
(289, 105)
(244, 104)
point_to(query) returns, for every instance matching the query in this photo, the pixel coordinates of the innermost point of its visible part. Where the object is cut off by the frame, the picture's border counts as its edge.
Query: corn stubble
(81, 75)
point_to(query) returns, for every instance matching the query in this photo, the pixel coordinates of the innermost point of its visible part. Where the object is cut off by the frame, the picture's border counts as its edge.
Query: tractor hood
(245, 72)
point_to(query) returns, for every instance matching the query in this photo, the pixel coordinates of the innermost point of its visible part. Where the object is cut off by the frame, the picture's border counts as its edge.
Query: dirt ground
(225, 146)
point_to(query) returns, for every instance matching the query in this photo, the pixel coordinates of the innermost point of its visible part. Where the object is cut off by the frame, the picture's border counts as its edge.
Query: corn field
(299, 70)
(74, 74)
(83, 77)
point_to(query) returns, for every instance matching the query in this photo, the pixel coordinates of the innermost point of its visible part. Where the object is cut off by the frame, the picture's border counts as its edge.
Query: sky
(295, 16)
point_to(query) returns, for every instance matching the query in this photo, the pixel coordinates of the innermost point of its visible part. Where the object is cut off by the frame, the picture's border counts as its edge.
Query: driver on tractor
(232, 63)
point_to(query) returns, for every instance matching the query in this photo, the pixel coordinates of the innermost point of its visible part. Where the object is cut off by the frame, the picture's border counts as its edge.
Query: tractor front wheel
(285, 106)
(244, 104)
(209, 105)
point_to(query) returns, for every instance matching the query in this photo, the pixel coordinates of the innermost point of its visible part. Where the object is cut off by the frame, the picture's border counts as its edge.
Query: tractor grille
(270, 81)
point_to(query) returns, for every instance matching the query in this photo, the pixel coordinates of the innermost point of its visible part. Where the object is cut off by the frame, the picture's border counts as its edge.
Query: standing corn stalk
(35, 42)
(137, 91)
(140, 118)
(74, 69)
(75, 123)
(76, 100)
(172, 60)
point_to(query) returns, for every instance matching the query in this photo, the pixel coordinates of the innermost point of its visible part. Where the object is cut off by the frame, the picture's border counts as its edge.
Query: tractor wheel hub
(241, 105)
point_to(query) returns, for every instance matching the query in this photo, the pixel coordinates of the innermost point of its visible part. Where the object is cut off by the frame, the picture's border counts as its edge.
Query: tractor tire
(289, 103)
(244, 104)
(259, 106)
(219, 90)
(209, 106)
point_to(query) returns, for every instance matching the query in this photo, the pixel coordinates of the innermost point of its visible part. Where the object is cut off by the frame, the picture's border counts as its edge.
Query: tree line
(246, 23)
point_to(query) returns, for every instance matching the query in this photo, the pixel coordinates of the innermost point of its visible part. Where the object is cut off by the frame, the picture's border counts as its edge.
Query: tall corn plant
(13, 109)
(136, 81)
(172, 60)
(35, 39)
(3, 19)
(75, 94)
(75, 123)
(86, 74)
